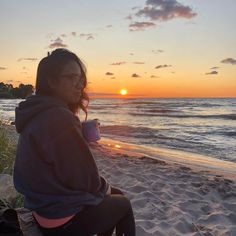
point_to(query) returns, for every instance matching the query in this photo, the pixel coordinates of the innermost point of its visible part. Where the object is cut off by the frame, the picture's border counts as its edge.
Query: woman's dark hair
(50, 67)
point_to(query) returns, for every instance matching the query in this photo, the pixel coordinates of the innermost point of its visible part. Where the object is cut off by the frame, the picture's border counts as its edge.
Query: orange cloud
(161, 10)
(229, 61)
(135, 75)
(28, 59)
(139, 62)
(162, 66)
(154, 76)
(109, 73)
(118, 63)
(139, 26)
(214, 72)
(58, 43)
(87, 36)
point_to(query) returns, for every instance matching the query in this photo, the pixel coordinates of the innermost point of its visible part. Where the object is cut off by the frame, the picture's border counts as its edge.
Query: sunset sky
(153, 48)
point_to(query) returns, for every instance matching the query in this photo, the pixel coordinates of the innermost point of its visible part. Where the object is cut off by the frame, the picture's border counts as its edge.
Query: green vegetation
(7, 158)
(8, 91)
(7, 151)
(18, 203)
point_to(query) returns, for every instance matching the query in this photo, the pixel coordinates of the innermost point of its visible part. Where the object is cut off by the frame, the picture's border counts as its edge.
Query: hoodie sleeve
(72, 161)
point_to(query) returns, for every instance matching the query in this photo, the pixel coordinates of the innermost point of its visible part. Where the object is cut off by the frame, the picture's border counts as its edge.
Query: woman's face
(70, 84)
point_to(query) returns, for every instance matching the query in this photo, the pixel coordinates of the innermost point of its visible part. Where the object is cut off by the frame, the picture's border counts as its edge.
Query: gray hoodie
(54, 168)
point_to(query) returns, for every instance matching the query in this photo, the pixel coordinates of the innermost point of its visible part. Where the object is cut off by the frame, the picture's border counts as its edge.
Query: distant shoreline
(140, 97)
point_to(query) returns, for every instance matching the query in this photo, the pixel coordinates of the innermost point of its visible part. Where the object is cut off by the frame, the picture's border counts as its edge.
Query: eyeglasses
(75, 80)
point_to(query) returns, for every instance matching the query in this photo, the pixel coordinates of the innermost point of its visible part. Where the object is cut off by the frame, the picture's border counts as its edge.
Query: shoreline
(191, 160)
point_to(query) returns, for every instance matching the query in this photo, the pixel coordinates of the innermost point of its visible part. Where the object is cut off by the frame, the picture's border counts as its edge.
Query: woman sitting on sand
(54, 168)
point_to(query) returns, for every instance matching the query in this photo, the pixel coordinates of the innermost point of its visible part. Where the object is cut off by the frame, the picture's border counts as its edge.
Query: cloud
(131, 54)
(28, 59)
(63, 35)
(135, 75)
(57, 43)
(139, 26)
(214, 68)
(229, 61)
(109, 73)
(214, 72)
(113, 77)
(129, 17)
(139, 62)
(118, 63)
(162, 66)
(10, 81)
(109, 26)
(87, 36)
(73, 34)
(157, 51)
(165, 10)
(2, 68)
(90, 37)
(154, 76)
(135, 8)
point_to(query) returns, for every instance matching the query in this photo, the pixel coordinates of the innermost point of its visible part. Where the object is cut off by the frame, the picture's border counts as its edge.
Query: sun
(123, 92)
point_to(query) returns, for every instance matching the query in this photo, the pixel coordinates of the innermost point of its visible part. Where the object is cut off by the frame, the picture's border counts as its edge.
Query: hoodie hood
(32, 106)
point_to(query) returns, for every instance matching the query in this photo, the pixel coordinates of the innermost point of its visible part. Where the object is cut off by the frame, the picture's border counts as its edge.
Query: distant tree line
(22, 91)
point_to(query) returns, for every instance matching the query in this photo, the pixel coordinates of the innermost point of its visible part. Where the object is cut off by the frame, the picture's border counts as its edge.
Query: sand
(170, 198)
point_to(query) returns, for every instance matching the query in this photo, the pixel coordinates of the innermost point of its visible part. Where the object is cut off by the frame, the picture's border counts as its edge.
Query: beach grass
(7, 157)
(7, 150)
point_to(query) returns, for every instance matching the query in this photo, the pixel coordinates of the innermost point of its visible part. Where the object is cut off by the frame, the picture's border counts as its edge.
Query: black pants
(114, 211)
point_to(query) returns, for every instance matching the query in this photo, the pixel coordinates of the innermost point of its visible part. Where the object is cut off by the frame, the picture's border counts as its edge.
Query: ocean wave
(206, 105)
(145, 133)
(159, 110)
(153, 138)
(102, 107)
(210, 132)
(226, 133)
(225, 116)
(129, 131)
(141, 103)
(8, 108)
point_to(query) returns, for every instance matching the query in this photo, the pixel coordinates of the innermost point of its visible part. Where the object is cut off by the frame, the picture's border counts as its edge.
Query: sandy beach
(170, 198)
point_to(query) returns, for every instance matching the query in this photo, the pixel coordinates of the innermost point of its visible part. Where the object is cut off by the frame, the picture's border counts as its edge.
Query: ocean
(201, 126)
